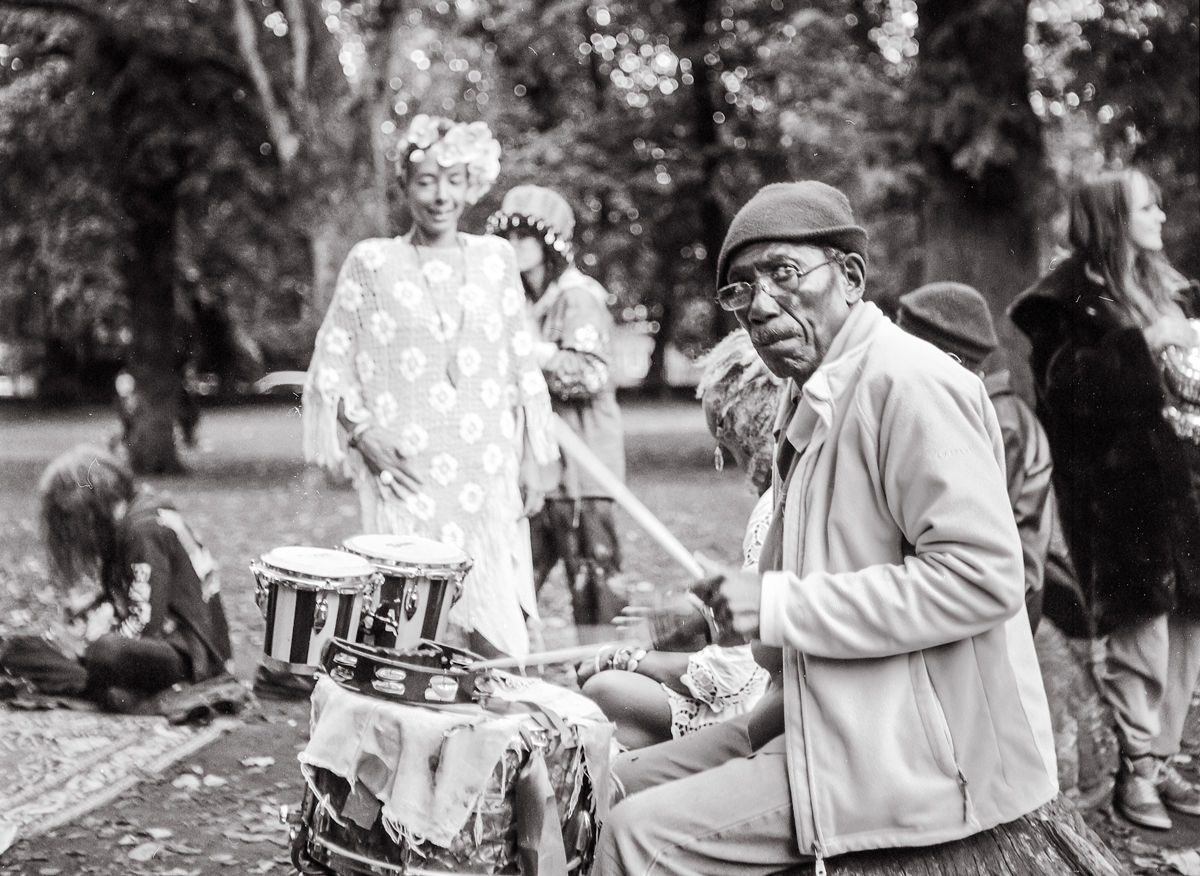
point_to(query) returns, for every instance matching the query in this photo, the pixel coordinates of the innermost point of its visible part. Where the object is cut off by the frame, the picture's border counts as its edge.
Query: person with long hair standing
(151, 614)
(1105, 326)
(423, 387)
(570, 311)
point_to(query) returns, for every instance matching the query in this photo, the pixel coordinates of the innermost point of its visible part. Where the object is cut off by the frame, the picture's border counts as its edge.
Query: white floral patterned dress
(433, 347)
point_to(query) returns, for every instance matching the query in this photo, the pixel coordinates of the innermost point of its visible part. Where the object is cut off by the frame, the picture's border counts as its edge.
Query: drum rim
(350, 584)
(304, 574)
(459, 566)
(274, 664)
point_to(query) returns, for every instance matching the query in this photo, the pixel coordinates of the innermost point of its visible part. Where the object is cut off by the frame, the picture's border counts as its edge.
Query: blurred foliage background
(180, 179)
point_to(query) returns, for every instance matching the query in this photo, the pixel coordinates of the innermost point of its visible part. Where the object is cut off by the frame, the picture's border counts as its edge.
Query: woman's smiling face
(436, 197)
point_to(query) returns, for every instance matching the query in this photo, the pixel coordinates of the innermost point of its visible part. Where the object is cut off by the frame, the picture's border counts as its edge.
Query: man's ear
(856, 278)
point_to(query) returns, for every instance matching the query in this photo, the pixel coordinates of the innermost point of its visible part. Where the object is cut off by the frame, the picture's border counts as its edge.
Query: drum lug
(411, 599)
(321, 614)
(260, 597)
(371, 593)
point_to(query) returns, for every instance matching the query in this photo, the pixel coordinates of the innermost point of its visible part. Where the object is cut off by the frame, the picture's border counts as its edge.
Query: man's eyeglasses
(785, 278)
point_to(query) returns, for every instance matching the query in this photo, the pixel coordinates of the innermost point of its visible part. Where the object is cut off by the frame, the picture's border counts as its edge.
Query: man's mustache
(765, 335)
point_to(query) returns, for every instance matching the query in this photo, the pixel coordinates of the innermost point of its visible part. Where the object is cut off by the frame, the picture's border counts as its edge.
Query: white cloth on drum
(427, 767)
(600, 748)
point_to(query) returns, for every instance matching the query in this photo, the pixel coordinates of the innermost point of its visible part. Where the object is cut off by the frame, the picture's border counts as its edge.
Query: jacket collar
(818, 397)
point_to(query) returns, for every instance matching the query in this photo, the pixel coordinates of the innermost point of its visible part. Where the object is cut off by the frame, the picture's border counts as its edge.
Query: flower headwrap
(450, 143)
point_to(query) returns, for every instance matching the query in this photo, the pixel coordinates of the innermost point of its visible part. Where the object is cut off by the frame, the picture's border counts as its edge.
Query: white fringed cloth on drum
(424, 770)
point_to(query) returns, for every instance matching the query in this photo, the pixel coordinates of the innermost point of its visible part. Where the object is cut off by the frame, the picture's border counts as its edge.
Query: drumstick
(572, 445)
(577, 653)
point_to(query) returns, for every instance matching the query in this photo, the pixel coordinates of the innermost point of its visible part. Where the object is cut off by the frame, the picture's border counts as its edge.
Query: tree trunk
(1084, 741)
(1053, 840)
(983, 155)
(158, 382)
(988, 246)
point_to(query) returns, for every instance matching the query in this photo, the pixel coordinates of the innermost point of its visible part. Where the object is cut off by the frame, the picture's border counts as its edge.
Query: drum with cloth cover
(511, 784)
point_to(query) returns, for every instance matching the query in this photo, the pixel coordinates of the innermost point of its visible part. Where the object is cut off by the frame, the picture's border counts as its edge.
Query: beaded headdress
(543, 211)
(450, 143)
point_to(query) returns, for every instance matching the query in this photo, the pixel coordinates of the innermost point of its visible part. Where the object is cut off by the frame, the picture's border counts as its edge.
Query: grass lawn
(249, 491)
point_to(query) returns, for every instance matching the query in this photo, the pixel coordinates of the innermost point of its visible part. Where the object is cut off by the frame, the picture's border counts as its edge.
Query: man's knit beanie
(953, 317)
(796, 212)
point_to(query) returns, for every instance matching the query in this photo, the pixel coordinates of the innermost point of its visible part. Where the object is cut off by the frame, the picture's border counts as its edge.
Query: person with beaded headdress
(570, 310)
(425, 390)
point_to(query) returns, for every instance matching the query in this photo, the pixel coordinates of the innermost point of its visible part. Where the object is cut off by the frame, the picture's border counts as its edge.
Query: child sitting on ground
(154, 616)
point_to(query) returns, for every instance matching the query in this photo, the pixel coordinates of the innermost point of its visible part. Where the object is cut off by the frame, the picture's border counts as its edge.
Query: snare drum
(308, 595)
(421, 580)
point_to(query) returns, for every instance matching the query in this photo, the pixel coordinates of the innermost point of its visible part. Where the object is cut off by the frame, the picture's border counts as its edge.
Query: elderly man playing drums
(912, 710)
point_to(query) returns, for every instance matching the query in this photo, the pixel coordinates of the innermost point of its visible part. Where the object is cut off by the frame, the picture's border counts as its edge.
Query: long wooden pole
(573, 654)
(572, 445)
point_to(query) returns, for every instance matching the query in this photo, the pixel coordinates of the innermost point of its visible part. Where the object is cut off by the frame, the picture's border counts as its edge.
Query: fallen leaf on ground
(1186, 861)
(188, 782)
(214, 781)
(247, 837)
(258, 761)
(159, 833)
(128, 840)
(8, 833)
(145, 851)
(181, 849)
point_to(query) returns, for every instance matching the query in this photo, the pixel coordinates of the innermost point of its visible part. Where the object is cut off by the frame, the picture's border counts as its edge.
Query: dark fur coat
(1129, 488)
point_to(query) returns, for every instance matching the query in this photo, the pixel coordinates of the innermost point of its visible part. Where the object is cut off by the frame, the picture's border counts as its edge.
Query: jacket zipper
(968, 807)
(818, 840)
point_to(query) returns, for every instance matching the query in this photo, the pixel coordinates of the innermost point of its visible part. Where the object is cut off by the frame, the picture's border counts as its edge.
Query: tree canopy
(174, 174)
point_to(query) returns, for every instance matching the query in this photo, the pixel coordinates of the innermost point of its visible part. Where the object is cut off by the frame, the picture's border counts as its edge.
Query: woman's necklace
(446, 328)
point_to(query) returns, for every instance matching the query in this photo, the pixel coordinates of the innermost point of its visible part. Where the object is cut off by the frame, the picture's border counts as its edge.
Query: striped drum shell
(420, 579)
(308, 595)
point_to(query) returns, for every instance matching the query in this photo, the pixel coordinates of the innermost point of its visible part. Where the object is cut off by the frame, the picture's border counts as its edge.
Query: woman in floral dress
(424, 389)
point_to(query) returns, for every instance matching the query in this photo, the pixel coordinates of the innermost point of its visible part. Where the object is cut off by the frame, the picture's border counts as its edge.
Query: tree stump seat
(1053, 840)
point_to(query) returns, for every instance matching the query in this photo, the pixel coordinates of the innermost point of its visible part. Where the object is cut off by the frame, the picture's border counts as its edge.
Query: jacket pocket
(933, 719)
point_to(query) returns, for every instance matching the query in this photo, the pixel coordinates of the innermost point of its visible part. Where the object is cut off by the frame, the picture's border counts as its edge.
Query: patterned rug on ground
(57, 765)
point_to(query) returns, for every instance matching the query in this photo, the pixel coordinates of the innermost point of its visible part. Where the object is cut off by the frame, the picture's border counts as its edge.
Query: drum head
(315, 562)
(404, 551)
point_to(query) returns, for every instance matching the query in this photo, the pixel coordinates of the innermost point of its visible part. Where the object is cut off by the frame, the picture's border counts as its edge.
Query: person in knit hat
(570, 311)
(955, 318)
(889, 587)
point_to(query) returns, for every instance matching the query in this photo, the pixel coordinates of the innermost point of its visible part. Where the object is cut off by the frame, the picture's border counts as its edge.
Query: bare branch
(278, 123)
(297, 18)
(151, 43)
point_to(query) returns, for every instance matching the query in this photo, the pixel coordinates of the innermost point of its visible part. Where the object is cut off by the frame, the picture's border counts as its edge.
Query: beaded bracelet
(627, 659)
